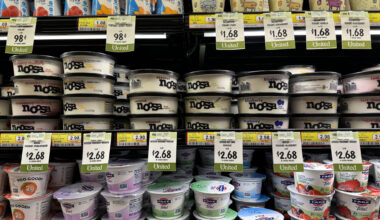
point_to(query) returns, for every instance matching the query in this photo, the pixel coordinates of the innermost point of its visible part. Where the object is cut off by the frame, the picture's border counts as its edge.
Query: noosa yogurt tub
(270, 81)
(7, 90)
(214, 103)
(318, 82)
(86, 83)
(263, 103)
(153, 103)
(78, 104)
(87, 122)
(314, 104)
(208, 121)
(121, 108)
(153, 80)
(121, 73)
(32, 65)
(37, 85)
(215, 81)
(314, 121)
(124, 176)
(36, 105)
(34, 123)
(362, 82)
(154, 122)
(247, 185)
(360, 103)
(121, 90)
(263, 121)
(361, 121)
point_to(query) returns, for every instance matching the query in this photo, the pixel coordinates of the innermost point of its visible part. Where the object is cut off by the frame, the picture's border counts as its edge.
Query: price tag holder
(257, 138)
(21, 33)
(355, 30)
(315, 138)
(228, 152)
(200, 138)
(12, 139)
(96, 152)
(36, 152)
(4, 23)
(92, 24)
(67, 139)
(320, 30)
(121, 34)
(345, 151)
(279, 32)
(287, 152)
(229, 28)
(162, 154)
(369, 138)
(129, 139)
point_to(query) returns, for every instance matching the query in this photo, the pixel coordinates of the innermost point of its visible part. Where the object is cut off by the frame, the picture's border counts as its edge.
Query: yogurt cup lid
(159, 71)
(261, 199)
(362, 73)
(167, 188)
(251, 177)
(212, 187)
(298, 66)
(318, 166)
(87, 53)
(263, 72)
(371, 192)
(88, 116)
(154, 116)
(37, 77)
(89, 96)
(361, 115)
(175, 178)
(208, 115)
(31, 117)
(16, 169)
(78, 190)
(106, 193)
(292, 188)
(314, 115)
(34, 97)
(149, 94)
(292, 216)
(360, 95)
(212, 178)
(315, 94)
(322, 73)
(34, 56)
(90, 75)
(230, 215)
(204, 72)
(274, 95)
(9, 196)
(125, 163)
(259, 213)
(263, 115)
(185, 216)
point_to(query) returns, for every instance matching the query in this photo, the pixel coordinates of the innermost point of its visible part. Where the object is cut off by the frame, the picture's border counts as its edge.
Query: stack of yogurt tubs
(6, 90)
(36, 103)
(121, 90)
(314, 100)
(153, 99)
(263, 99)
(88, 90)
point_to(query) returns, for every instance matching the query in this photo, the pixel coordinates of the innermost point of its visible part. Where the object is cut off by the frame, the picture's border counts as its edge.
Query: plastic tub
(121, 108)
(209, 81)
(360, 104)
(207, 6)
(125, 176)
(280, 185)
(212, 178)
(361, 121)
(243, 204)
(153, 103)
(7, 90)
(314, 121)
(267, 81)
(207, 157)
(282, 204)
(186, 156)
(87, 122)
(84, 83)
(316, 179)
(78, 104)
(208, 121)
(318, 82)
(4, 106)
(353, 181)
(62, 174)
(32, 65)
(361, 82)
(314, 104)
(259, 213)
(45, 8)
(298, 69)
(207, 171)
(35, 123)
(264, 103)
(154, 122)
(329, 5)
(376, 166)
(230, 215)
(247, 6)
(103, 7)
(139, 7)
(79, 201)
(153, 80)
(212, 198)
(169, 7)
(208, 103)
(247, 158)
(99, 178)
(247, 185)
(121, 73)
(14, 8)
(37, 85)
(35, 105)
(77, 8)
(263, 122)
(121, 90)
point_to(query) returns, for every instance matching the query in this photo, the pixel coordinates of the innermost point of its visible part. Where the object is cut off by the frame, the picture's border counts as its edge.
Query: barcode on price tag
(228, 152)
(355, 30)
(287, 152)
(125, 139)
(96, 152)
(257, 138)
(21, 33)
(345, 151)
(12, 139)
(200, 138)
(279, 31)
(229, 28)
(36, 152)
(320, 30)
(121, 34)
(162, 151)
(67, 139)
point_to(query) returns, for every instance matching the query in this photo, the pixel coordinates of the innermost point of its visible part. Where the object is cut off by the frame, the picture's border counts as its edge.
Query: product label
(36, 152)
(279, 32)
(125, 139)
(162, 151)
(21, 33)
(355, 30)
(228, 152)
(121, 34)
(320, 30)
(96, 152)
(67, 139)
(229, 29)
(287, 152)
(345, 151)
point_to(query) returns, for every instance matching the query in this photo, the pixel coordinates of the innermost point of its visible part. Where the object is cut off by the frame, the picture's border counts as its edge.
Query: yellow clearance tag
(369, 137)
(257, 138)
(92, 24)
(315, 138)
(66, 139)
(125, 139)
(12, 139)
(200, 138)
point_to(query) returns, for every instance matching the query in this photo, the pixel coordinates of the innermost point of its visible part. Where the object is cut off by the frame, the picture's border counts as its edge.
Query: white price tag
(355, 30)
(228, 152)
(229, 28)
(121, 33)
(162, 154)
(279, 32)
(287, 152)
(320, 30)
(96, 152)
(345, 151)
(21, 33)
(36, 152)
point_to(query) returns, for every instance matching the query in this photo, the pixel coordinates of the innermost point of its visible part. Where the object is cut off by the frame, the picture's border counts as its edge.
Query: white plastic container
(360, 104)
(361, 121)
(91, 177)
(212, 178)
(282, 204)
(207, 171)
(208, 6)
(208, 103)
(124, 176)
(62, 174)
(87, 122)
(4, 106)
(318, 82)
(37, 85)
(186, 156)
(32, 65)
(154, 122)
(77, 8)
(259, 213)
(263, 121)
(280, 185)
(209, 81)
(316, 179)
(47, 8)
(121, 73)
(36, 105)
(263, 81)
(361, 82)
(153, 103)
(376, 176)
(314, 104)
(244, 204)
(264, 103)
(121, 90)
(208, 121)
(86, 83)
(87, 62)
(298, 69)
(314, 121)
(247, 185)
(34, 123)
(121, 108)
(153, 80)
(7, 90)
(355, 181)
(78, 104)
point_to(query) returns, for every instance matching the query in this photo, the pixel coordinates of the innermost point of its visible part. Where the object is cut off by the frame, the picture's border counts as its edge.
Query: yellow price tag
(257, 138)
(66, 139)
(125, 139)
(12, 139)
(298, 19)
(200, 138)
(369, 137)
(202, 21)
(92, 24)
(315, 138)
(253, 20)
(4, 25)
(374, 17)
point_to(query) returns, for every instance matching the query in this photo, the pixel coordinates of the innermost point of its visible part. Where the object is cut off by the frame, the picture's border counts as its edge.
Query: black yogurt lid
(205, 72)
(360, 115)
(91, 75)
(86, 116)
(263, 115)
(209, 115)
(158, 71)
(89, 96)
(37, 77)
(314, 115)
(35, 117)
(322, 73)
(153, 116)
(151, 94)
(34, 97)
(263, 94)
(34, 56)
(315, 94)
(209, 94)
(87, 53)
(263, 72)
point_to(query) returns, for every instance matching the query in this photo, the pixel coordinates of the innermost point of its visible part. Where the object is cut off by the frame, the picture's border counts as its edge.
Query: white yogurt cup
(247, 158)
(87, 122)
(153, 80)
(281, 204)
(154, 122)
(167, 199)
(36, 105)
(4, 106)
(79, 201)
(86, 83)
(91, 177)
(316, 179)
(268, 81)
(247, 185)
(208, 103)
(362, 82)
(208, 121)
(259, 213)
(121, 73)
(37, 85)
(360, 104)
(87, 62)
(27, 184)
(298, 69)
(376, 176)
(121, 108)
(244, 204)
(314, 121)
(263, 121)
(153, 103)
(361, 121)
(124, 206)
(209, 81)
(263, 103)
(62, 174)
(7, 90)
(212, 198)
(353, 181)
(230, 215)
(212, 178)
(77, 8)
(207, 171)
(78, 104)
(280, 185)
(319, 82)
(36, 208)
(314, 104)
(121, 90)
(124, 176)
(34, 123)
(47, 8)
(186, 156)
(32, 65)
(207, 157)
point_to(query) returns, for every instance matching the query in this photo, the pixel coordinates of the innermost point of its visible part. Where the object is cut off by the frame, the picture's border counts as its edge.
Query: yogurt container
(121, 108)
(376, 165)
(124, 206)
(208, 121)
(247, 6)
(36, 105)
(309, 206)
(87, 62)
(124, 176)
(165, 7)
(212, 198)
(37, 85)
(99, 178)
(154, 122)
(62, 174)
(87, 122)
(316, 179)
(360, 103)
(32, 65)
(263, 103)
(208, 103)
(121, 90)
(185, 216)
(230, 215)
(247, 185)
(77, 8)
(138, 7)
(186, 156)
(103, 7)
(329, 5)
(121, 73)
(279, 5)
(27, 184)
(167, 199)
(78, 104)
(36, 208)
(362, 82)
(212, 178)
(364, 5)
(4, 106)
(353, 181)
(247, 158)
(13, 8)
(267, 81)
(280, 185)
(85, 83)
(153, 103)
(314, 121)
(259, 213)
(209, 81)
(34, 123)
(263, 121)
(361, 121)
(207, 157)
(47, 8)
(314, 104)
(207, 6)
(207, 171)
(282, 205)
(318, 82)
(7, 90)
(298, 69)
(244, 204)
(153, 80)
(79, 201)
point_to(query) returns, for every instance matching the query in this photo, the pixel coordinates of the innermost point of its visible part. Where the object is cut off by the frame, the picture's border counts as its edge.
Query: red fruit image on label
(29, 188)
(75, 10)
(11, 11)
(18, 214)
(344, 211)
(2, 211)
(41, 11)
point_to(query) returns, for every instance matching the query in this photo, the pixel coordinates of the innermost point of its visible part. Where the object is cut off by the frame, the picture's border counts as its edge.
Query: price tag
(345, 151)
(92, 24)
(200, 138)
(355, 30)
(287, 152)
(320, 30)
(12, 139)
(228, 152)
(313, 138)
(96, 152)
(229, 28)
(162, 152)
(67, 139)
(128, 139)
(21, 33)
(257, 138)
(369, 138)
(36, 152)
(121, 34)
(279, 33)
(4, 25)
